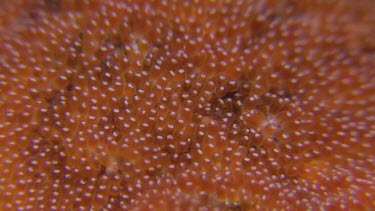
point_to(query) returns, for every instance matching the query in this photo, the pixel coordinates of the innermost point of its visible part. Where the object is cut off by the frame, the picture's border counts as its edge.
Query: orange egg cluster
(187, 105)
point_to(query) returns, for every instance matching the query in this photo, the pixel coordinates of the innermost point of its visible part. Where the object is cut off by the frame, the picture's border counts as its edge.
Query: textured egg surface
(187, 105)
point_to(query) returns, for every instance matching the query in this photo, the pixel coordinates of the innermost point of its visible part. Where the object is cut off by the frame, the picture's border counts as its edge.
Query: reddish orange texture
(187, 105)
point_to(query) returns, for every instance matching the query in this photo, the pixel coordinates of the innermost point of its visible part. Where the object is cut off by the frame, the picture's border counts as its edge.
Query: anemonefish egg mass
(187, 105)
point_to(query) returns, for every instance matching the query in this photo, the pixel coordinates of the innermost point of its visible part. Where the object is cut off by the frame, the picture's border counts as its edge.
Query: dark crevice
(229, 95)
(220, 106)
(53, 5)
(101, 170)
(69, 87)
